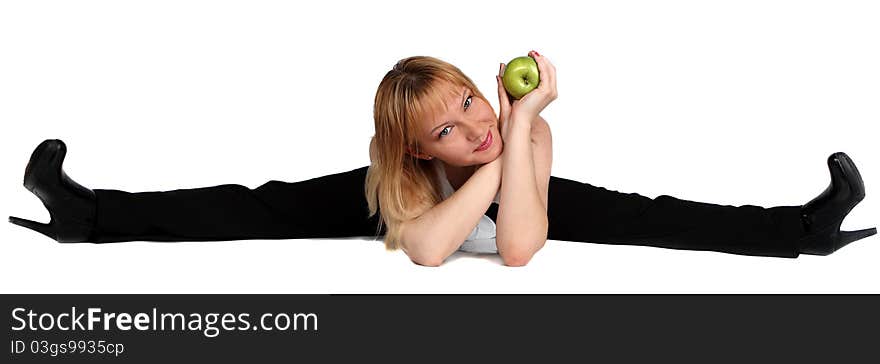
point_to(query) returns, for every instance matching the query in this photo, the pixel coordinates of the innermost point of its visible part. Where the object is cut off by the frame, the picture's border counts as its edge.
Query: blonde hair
(400, 186)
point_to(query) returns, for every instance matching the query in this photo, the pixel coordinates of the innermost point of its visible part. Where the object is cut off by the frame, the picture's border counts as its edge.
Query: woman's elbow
(422, 254)
(428, 260)
(516, 257)
(519, 256)
(515, 260)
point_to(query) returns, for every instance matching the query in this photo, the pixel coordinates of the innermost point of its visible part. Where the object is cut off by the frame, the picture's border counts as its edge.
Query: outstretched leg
(325, 207)
(582, 212)
(330, 206)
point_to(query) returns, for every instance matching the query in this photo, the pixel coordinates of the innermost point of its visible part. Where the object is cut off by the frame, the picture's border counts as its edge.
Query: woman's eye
(467, 104)
(444, 130)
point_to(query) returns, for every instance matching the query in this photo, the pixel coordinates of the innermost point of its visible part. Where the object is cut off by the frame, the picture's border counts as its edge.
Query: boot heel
(45, 229)
(847, 237)
(72, 207)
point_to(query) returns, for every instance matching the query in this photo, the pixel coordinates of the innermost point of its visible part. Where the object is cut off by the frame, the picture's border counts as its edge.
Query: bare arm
(522, 214)
(439, 232)
(542, 154)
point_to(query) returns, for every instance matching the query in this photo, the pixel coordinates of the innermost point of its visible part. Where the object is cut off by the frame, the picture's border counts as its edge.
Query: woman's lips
(486, 144)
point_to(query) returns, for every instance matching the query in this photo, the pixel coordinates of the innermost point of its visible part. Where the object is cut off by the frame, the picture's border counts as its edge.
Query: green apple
(520, 76)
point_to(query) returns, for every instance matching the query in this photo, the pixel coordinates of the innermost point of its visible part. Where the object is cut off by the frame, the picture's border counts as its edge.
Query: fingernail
(536, 53)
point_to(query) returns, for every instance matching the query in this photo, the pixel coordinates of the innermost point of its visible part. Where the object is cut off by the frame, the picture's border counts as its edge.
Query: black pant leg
(330, 206)
(581, 212)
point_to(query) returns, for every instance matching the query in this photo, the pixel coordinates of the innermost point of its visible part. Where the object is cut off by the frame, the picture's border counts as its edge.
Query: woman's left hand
(530, 105)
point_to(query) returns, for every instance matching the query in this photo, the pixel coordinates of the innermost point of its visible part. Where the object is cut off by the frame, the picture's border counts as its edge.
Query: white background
(735, 103)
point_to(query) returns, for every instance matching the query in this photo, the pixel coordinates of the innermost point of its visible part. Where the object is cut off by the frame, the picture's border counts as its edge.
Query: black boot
(823, 215)
(71, 206)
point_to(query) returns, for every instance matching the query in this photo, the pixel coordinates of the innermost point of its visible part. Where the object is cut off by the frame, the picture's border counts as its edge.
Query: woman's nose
(477, 134)
(477, 130)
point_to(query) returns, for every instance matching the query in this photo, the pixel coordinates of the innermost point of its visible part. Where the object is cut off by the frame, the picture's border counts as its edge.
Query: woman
(441, 165)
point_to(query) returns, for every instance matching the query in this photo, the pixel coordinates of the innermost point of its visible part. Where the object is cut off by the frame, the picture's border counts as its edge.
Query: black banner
(270, 328)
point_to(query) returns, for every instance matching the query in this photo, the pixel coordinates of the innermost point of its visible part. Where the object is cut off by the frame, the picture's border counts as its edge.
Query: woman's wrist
(494, 165)
(493, 168)
(518, 124)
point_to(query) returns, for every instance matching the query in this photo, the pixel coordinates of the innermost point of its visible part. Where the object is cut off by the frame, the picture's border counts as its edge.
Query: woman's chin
(498, 149)
(492, 158)
(488, 158)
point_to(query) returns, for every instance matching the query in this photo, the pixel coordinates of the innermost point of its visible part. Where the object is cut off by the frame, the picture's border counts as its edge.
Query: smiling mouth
(486, 143)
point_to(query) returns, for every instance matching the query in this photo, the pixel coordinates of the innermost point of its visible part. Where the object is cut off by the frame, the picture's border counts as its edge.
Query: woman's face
(455, 136)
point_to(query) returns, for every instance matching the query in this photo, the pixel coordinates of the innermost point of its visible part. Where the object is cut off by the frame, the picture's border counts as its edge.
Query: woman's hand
(530, 105)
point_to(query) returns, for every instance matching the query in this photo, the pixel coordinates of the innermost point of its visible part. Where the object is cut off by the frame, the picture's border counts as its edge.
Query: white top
(482, 239)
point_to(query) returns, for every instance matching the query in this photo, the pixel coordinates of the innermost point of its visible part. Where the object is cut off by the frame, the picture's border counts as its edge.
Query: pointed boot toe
(71, 206)
(823, 215)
